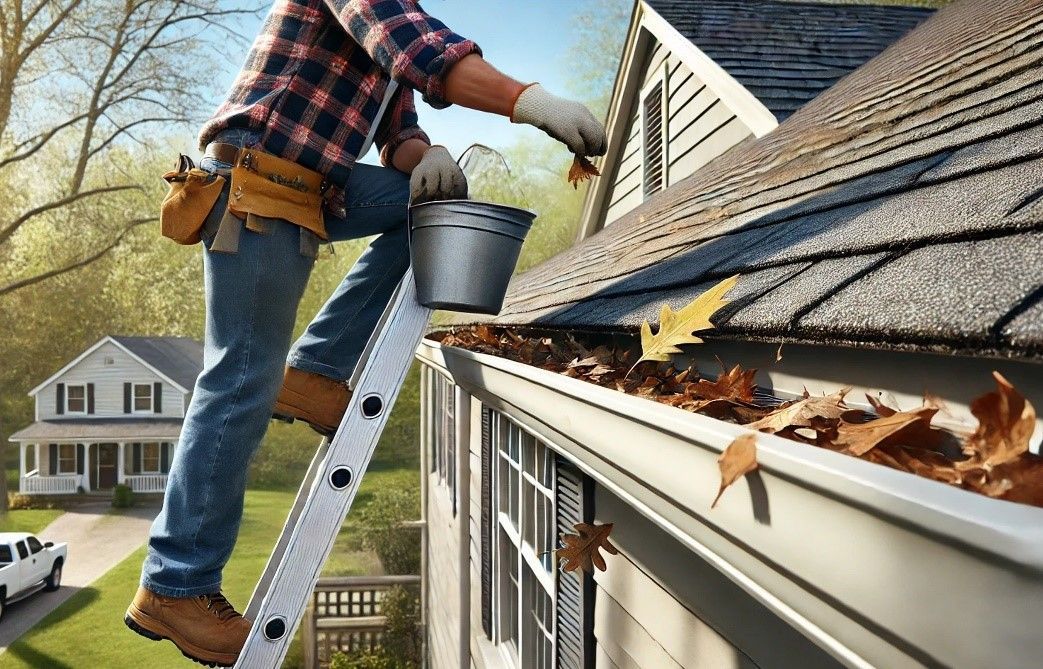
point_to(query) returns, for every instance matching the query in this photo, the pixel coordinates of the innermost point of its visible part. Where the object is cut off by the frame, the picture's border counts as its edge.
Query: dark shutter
(52, 464)
(157, 397)
(164, 457)
(80, 453)
(574, 502)
(136, 465)
(128, 389)
(90, 398)
(487, 520)
(59, 398)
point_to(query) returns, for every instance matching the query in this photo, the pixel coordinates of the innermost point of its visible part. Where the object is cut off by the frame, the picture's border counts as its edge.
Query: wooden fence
(345, 615)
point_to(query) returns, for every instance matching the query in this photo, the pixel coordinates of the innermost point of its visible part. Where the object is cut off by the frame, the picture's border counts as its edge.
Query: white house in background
(112, 415)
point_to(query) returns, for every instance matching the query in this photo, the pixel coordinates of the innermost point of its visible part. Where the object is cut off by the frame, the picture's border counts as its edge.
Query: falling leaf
(676, 327)
(581, 551)
(736, 461)
(1006, 421)
(801, 412)
(582, 170)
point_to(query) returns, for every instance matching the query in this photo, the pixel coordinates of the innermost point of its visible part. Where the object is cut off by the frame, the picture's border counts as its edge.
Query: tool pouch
(270, 187)
(191, 196)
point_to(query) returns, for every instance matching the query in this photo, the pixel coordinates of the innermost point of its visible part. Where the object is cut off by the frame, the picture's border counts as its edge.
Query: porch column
(21, 462)
(119, 465)
(36, 458)
(85, 477)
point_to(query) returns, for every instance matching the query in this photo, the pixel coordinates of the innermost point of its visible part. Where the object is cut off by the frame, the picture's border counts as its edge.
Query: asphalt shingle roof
(902, 208)
(180, 358)
(99, 428)
(786, 53)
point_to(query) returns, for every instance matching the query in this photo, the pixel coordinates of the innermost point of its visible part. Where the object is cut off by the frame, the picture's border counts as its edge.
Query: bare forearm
(476, 84)
(408, 155)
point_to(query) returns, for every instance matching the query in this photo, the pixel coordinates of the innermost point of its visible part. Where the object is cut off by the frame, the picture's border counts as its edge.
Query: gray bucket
(464, 253)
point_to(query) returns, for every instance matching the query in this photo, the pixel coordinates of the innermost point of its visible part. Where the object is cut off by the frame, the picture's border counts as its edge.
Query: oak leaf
(581, 551)
(739, 459)
(582, 170)
(802, 412)
(677, 327)
(1006, 421)
(860, 438)
(733, 384)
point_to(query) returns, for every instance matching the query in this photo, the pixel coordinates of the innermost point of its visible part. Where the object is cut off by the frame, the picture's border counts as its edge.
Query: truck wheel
(54, 581)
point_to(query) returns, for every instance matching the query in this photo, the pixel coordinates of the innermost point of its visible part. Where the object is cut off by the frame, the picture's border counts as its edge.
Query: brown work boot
(205, 628)
(316, 399)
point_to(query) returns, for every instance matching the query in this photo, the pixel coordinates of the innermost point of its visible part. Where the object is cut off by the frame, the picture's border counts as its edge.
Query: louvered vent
(653, 140)
(575, 604)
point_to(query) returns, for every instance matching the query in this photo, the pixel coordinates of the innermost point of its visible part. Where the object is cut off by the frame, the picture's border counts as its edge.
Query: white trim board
(94, 347)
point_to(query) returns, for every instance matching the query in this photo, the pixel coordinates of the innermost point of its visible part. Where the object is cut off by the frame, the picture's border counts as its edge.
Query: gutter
(867, 562)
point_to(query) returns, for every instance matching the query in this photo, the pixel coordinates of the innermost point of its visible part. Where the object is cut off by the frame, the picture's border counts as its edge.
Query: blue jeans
(251, 304)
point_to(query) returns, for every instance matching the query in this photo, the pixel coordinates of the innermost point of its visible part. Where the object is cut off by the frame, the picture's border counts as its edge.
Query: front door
(107, 454)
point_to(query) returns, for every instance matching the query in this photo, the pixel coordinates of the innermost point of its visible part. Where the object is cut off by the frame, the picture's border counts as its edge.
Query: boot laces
(217, 604)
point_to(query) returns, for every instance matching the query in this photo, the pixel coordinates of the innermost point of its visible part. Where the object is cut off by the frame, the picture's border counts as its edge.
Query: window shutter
(59, 398)
(127, 390)
(487, 521)
(136, 468)
(80, 453)
(574, 502)
(653, 140)
(90, 398)
(52, 459)
(157, 397)
(164, 457)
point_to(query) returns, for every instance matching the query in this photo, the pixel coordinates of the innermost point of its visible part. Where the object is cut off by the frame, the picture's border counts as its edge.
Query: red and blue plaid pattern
(316, 74)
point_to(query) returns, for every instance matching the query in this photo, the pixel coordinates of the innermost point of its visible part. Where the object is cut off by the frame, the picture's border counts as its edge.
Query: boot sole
(166, 634)
(318, 428)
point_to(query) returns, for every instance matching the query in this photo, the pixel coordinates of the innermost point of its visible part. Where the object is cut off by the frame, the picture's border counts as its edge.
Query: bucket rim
(495, 205)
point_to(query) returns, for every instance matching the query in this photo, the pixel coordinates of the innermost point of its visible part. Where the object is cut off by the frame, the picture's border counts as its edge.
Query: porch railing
(346, 614)
(146, 482)
(34, 484)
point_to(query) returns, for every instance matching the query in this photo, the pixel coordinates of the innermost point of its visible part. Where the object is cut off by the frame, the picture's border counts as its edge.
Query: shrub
(122, 496)
(402, 639)
(381, 528)
(374, 658)
(17, 501)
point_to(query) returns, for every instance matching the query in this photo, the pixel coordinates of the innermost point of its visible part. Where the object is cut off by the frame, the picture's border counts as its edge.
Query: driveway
(98, 541)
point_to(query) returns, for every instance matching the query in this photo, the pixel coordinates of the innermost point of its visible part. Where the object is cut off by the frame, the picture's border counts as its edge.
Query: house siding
(108, 380)
(699, 128)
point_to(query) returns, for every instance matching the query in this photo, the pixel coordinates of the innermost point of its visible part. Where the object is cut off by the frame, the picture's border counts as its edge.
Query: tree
(81, 81)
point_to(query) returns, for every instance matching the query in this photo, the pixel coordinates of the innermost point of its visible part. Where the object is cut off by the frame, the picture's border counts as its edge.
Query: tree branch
(6, 233)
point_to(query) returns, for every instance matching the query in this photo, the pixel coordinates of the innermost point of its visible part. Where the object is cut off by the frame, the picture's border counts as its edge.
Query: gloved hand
(437, 177)
(569, 122)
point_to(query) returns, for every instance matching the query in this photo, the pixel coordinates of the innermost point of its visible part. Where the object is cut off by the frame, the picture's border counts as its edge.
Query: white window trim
(70, 386)
(58, 465)
(661, 78)
(134, 398)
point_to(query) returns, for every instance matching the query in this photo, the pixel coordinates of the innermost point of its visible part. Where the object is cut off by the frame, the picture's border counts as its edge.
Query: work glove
(569, 122)
(437, 177)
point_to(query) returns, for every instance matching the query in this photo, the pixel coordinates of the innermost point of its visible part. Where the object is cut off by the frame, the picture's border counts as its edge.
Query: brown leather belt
(219, 151)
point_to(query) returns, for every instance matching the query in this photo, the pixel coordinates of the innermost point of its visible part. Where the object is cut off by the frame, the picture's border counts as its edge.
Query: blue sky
(527, 39)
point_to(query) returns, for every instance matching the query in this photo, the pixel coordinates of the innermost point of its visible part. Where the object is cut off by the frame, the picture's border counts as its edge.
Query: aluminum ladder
(333, 478)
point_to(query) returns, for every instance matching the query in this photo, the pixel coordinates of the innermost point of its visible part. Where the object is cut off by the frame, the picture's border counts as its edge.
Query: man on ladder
(279, 177)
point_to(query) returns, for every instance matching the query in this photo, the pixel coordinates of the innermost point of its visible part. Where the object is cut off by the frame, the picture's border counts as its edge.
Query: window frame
(59, 470)
(659, 80)
(134, 397)
(68, 398)
(23, 550)
(159, 457)
(39, 545)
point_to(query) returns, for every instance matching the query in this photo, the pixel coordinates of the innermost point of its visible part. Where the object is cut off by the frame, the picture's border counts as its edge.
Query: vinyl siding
(108, 380)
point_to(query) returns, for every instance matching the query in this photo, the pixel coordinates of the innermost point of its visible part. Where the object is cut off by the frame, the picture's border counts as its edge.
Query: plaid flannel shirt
(316, 74)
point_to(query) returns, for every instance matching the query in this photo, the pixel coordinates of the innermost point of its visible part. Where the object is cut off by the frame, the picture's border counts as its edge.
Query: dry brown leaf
(879, 407)
(739, 459)
(778, 354)
(1006, 421)
(582, 170)
(860, 438)
(801, 412)
(676, 327)
(581, 551)
(734, 384)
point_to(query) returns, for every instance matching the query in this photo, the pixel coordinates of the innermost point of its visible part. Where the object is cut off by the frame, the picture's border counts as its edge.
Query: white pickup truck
(28, 566)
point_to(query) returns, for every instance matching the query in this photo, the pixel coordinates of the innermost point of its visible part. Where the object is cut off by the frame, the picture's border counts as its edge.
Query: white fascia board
(746, 106)
(150, 367)
(96, 440)
(95, 347)
(859, 557)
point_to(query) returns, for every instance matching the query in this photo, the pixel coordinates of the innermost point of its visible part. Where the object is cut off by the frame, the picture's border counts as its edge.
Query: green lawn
(88, 630)
(28, 520)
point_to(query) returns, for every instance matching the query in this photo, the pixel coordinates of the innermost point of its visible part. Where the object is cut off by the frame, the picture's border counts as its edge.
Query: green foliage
(402, 636)
(122, 496)
(380, 528)
(18, 501)
(375, 658)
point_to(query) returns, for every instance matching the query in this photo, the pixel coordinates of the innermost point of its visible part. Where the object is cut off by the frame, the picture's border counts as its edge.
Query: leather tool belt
(263, 187)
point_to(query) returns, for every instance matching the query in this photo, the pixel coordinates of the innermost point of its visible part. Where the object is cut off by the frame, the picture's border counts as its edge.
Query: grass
(28, 520)
(88, 630)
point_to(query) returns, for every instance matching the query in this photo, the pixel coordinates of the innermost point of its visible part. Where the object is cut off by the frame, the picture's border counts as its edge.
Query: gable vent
(653, 140)
(109, 360)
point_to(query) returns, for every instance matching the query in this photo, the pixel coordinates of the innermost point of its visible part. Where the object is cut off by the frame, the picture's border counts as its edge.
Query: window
(526, 574)
(23, 552)
(34, 545)
(142, 398)
(652, 138)
(76, 399)
(66, 458)
(150, 458)
(441, 429)
(5, 554)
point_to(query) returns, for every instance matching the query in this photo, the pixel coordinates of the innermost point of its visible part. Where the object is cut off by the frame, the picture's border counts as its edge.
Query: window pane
(150, 457)
(142, 397)
(512, 501)
(5, 554)
(66, 458)
(22, 551)
(34, 545)
(508, 567)
(75, 398)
